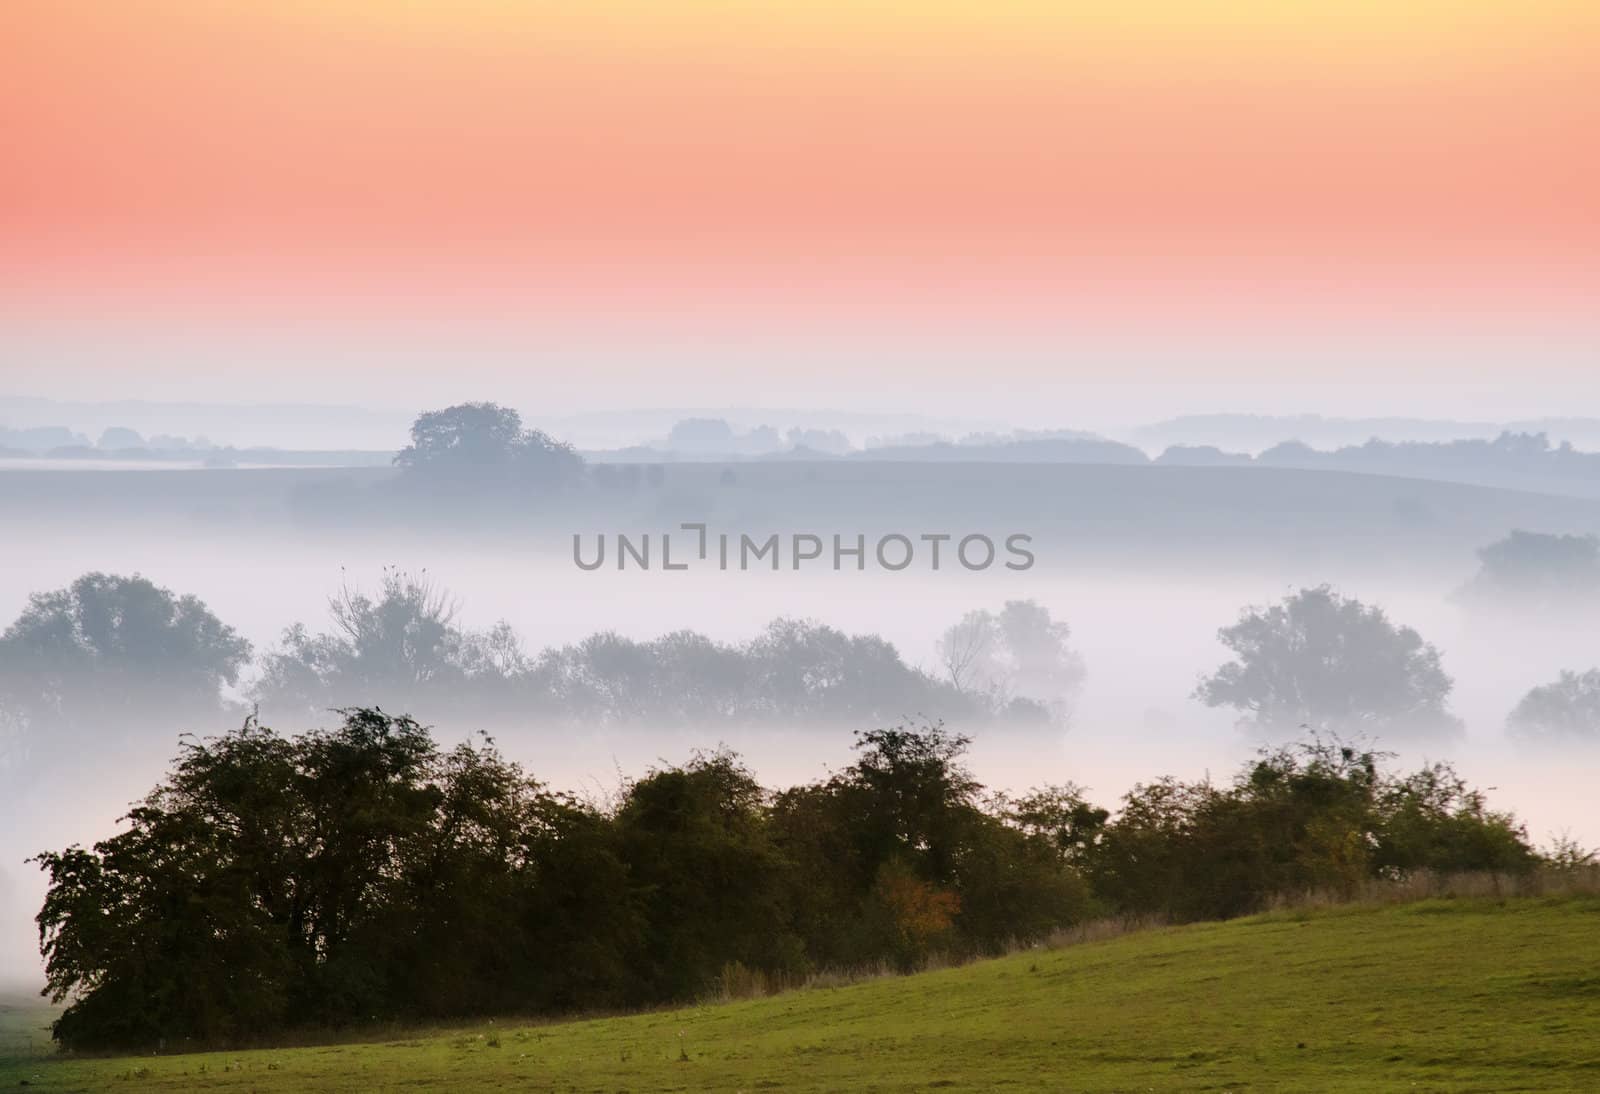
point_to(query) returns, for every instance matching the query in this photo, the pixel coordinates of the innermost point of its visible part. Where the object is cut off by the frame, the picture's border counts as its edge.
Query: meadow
(1436, 995)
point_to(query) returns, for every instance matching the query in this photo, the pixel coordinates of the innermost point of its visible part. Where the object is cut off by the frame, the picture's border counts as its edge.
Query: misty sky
(1036, 211)
(1062, 380)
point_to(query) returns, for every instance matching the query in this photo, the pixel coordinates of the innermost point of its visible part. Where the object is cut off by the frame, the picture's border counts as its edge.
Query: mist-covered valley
(518, 518)
(1143, 566)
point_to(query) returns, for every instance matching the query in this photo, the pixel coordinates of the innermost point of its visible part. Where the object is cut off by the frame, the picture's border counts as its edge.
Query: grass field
(1446, 995)
(24, 1029)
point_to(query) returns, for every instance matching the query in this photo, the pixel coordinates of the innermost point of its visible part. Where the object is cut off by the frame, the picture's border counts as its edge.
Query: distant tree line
(112, 650)
(273, 883)
(1511, 456)
(404, 642)
(1511, 453)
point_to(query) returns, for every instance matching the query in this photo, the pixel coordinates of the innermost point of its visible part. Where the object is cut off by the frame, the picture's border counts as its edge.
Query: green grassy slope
(1458, 996)
(24, 1029)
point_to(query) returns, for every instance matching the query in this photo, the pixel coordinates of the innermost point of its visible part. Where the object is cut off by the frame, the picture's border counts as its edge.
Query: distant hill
(280, 425)
(1517, 461)
(1254, 433)
(1082, 448)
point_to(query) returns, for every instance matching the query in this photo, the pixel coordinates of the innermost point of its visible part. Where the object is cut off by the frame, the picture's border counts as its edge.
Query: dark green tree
(698, 847)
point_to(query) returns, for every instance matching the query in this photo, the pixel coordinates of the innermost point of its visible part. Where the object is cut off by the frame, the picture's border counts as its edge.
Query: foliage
(361, 873)
(335, 876)
(1536, 572)
(1329, 663)
(404, 643)
(708, 874)
(484, 444)
(120, 648)
(105, 648)
(1567, 709)
(1019, 655)
(1319, 816)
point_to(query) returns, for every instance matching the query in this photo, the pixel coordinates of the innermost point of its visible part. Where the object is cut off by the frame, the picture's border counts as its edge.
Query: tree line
(362, 873)
(120, 650)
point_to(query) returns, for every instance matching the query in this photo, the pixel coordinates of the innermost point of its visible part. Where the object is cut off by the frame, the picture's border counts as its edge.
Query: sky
(1000, 202)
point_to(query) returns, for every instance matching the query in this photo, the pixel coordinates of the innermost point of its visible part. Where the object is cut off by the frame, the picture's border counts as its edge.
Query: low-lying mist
(1145, 638)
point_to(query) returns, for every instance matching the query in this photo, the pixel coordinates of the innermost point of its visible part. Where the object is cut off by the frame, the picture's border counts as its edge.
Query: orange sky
(984, 158)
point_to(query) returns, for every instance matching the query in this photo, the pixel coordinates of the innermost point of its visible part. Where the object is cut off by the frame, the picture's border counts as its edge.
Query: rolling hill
(1458, 995)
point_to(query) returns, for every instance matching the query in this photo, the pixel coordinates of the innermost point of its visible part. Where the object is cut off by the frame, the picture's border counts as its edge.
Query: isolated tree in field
(109, 645)
(485, 443)
(1567, 709)
(1326, 662)
(467, 435)
(1532, 571)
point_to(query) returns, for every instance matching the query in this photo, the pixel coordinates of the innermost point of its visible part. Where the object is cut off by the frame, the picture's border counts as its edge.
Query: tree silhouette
(1539, 573)
(485, 443)
(1019, 654)
(402, 643)
(1327, 662)
(1566, 709)
(82, 658)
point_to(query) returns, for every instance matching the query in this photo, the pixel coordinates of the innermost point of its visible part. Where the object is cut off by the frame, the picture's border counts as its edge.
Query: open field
(1457, 995)
(24, 1027)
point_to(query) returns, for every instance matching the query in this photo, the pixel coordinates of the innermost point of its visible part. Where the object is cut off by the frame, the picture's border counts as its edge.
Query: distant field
(1434, 996)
